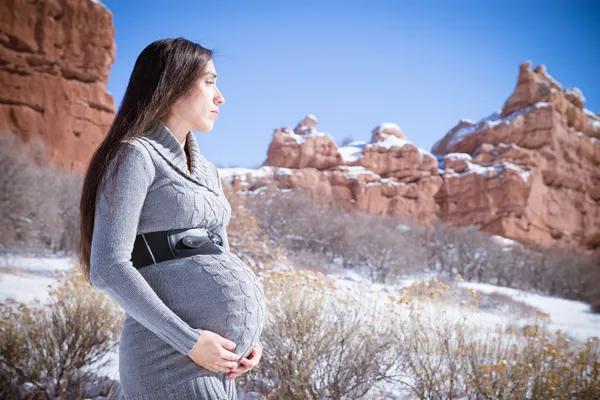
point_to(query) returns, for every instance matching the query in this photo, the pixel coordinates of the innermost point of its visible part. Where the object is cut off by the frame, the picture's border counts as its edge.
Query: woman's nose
(219, 99)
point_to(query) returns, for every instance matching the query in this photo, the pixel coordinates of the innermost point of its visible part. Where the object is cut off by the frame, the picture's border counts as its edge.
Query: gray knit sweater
(156, 191)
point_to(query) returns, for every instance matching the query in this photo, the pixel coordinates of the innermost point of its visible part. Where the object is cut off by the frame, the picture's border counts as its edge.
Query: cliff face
(388, 175)
(55, 60)
(529, 172)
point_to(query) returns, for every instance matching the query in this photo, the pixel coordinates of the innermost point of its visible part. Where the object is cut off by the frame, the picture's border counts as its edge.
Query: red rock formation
(303, 147)
(54, 65)
(391, 155)
(534, 175)
(529, 172)
(388, 176)
(343, 187)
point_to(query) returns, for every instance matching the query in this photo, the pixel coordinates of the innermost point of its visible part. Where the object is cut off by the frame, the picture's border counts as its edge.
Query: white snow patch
(459, 156)
(485, 171)
(402, 228)
(386, 181)
(424, 153)
(354, 171)
(576, 92)
(282, 171)
(572, 317)
(591, 114)
(544, 71)
(594, 123)
(389, 142)
(502, 241)
(241, 173)
(24, 287)
(305, 133)
(388, 126)
(353, 151)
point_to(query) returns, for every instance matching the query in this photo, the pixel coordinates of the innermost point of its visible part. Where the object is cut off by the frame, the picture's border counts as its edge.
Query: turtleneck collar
(166, 144)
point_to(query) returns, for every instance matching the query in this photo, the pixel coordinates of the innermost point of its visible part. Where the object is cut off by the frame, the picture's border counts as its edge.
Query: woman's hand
(211, 352)
(247, 363)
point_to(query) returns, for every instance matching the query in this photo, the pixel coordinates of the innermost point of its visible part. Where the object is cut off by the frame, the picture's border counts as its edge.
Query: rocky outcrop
(388, 175)
(303, 147)
(54, 65)
(529, 172)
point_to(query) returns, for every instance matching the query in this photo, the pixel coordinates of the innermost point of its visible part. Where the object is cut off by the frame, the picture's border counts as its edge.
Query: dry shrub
(470, 253)
(455, 356)
(246, 239)
(424, 341)
(53, 349)
(306, 259)
(39, 210)
(319, 344)
(364, 242)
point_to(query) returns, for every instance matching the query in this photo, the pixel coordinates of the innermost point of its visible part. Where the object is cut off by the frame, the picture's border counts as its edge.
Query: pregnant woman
(153, 236)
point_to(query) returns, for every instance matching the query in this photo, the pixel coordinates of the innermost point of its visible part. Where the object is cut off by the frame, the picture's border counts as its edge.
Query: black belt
(154, 247)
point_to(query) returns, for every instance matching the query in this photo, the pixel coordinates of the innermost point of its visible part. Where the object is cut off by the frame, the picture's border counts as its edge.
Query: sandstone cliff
(55, 60)
(387, 175)
(529, 172)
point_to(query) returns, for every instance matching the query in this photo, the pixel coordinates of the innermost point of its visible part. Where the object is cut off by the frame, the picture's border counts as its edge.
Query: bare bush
(39, 204)
(470, 253)
(366, 242)
(380, 252)
(462, 250)
(54, 349)
(318, 344)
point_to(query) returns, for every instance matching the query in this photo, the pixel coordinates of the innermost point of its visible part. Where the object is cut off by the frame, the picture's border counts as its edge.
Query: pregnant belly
(219, 293)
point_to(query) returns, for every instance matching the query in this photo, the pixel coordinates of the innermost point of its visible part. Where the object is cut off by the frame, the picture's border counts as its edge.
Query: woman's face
(200, 108)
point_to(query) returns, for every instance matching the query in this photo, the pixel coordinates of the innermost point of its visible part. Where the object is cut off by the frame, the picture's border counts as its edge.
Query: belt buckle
(215, 238)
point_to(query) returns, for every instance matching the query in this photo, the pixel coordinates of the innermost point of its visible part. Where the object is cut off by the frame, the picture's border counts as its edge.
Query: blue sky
(354, 64)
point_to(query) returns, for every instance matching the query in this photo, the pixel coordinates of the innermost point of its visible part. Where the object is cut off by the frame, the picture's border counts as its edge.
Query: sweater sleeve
(111, 269)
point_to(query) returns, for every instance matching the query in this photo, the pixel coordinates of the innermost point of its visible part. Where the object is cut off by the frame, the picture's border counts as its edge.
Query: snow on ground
(26, 278)
(573, 318)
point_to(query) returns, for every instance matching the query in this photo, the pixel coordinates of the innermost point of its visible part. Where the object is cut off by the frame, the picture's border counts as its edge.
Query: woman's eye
(210, 82)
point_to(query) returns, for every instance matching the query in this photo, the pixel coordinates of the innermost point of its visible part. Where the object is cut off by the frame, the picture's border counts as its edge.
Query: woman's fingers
(229, 356)
(249, 363)
(238, 371)
(229, 365)
(246, 364)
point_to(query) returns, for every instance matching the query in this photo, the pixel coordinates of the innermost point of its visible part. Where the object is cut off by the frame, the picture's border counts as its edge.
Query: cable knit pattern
(168, 304)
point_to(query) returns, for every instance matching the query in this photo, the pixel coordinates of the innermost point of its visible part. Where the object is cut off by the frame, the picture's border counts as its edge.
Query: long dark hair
(164, 72)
